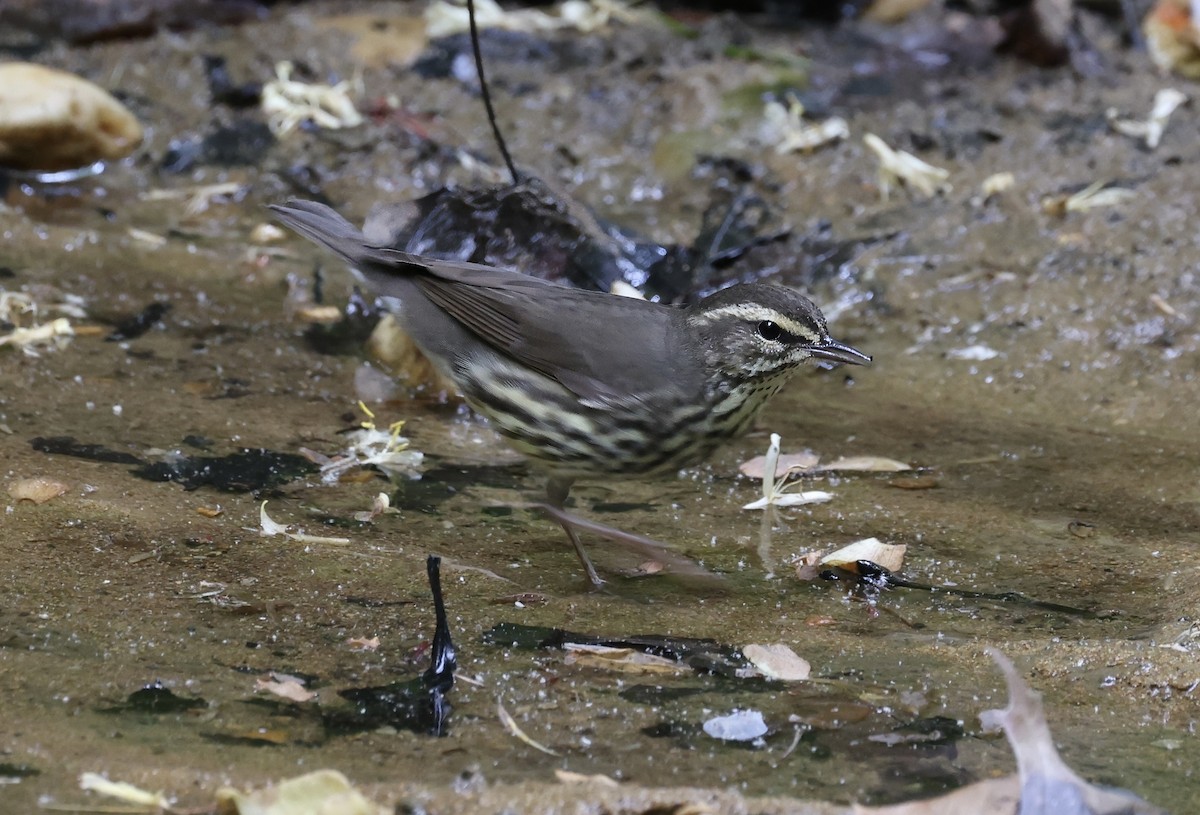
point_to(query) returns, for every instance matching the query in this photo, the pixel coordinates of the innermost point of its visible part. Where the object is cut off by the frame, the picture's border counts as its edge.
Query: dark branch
(487, 97)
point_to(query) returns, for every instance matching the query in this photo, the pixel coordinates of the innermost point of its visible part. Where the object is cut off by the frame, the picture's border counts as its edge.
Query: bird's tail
(322, 225)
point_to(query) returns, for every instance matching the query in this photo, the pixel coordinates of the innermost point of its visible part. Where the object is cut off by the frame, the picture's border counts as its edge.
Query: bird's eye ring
(769, 331)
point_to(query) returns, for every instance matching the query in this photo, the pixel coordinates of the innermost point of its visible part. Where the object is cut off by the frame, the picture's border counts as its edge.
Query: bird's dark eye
(769, 331)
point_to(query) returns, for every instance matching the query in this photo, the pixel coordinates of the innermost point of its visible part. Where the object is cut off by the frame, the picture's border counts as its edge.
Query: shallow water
(1065, 467)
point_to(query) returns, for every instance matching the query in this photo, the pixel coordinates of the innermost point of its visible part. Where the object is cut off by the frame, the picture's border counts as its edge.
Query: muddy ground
(1064, 466)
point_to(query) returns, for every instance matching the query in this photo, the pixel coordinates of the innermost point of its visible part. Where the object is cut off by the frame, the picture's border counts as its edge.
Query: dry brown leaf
(626, 660)
(757, 466)
(866, 464)
(38, 489)
(778, 661)
(286, 688)
(323, 791)
(888, 555)
(568, 777)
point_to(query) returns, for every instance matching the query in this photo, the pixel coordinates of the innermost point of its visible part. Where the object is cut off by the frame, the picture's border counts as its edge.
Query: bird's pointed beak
(833, 351)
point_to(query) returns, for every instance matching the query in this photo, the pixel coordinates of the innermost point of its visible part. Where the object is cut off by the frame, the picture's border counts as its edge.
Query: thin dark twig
(487, 97)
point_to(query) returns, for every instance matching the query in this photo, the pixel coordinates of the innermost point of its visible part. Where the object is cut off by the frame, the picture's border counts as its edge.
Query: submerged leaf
(324, 792)
(778, 661)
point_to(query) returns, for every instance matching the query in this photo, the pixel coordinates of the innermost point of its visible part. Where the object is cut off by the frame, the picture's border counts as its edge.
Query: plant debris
(318, 792)
(387, 451)
(1150, 130)
(122, 791)
(774, 490)
(784, 126)
(269, 528)
(510, 724)
(289, 102)
(1044, 784)
(1094, 196)
(443, 18)
(900, 167)
(38, 489)
(777, 661)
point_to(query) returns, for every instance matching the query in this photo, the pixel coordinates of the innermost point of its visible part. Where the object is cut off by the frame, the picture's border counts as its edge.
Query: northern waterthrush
(586, 383)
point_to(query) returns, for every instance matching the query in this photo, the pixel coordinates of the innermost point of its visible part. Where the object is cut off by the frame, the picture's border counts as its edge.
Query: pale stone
(52, 120)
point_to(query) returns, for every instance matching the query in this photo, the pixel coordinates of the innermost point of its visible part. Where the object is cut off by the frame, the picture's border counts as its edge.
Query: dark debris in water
(347, 336)
(248, 470)
(224, 90)
(68, 446)
(156, 698)
(451, 56)
(17, 771)
(868, 580)
(138, 324)
(440, 484)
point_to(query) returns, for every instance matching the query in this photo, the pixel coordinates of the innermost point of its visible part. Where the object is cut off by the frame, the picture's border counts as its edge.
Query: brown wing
(599, 346)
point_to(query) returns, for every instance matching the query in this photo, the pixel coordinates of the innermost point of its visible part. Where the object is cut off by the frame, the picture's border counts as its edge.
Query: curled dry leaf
(323, 791)
(778, 661)
(568, 777)
(38, 489)
(363, 643)
(784, 463)
(888, 555)
(625, 660)
(867, 464)
(285, 687)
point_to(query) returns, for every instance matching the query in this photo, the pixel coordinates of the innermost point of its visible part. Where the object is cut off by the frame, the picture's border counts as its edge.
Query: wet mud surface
(1065, 466)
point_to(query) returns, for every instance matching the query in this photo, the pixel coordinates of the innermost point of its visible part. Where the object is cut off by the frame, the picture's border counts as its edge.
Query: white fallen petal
(791, 499)
(973, 353)
(123, 791)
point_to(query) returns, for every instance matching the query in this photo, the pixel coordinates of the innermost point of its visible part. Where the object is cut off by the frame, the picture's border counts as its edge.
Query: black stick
(487, 97)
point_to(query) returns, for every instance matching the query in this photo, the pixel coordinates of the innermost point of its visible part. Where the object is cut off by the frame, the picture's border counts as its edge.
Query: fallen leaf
(804, 460)
(888, 555)
(626, 660)
(290, 688)
(324, 792)
(122, 791)
(568, 777)
(363, 644)
(867, 464)
(916, 482)
(38, 489)
(778, 661)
